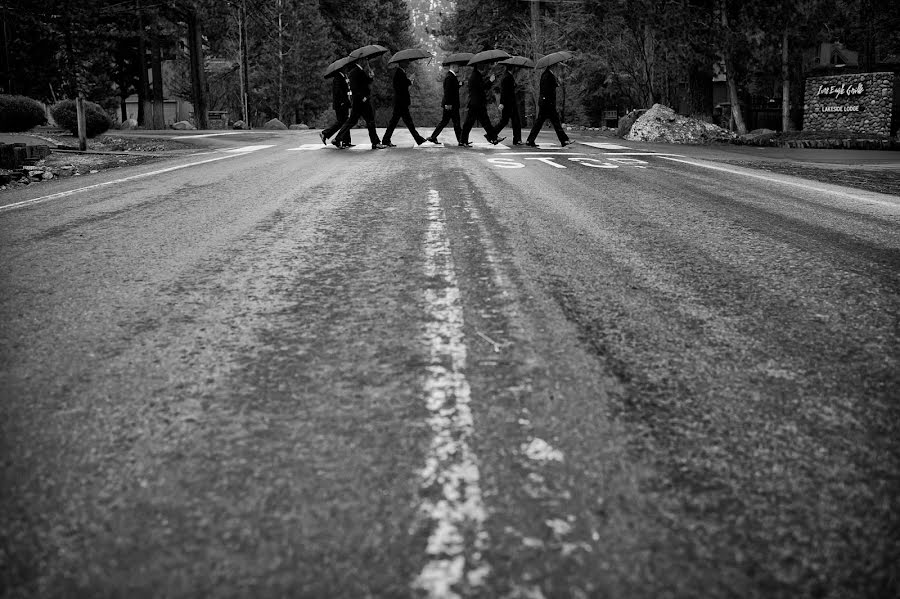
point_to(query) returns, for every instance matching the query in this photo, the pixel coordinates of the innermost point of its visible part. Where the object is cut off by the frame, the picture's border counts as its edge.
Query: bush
(19, 113)
(65, 115)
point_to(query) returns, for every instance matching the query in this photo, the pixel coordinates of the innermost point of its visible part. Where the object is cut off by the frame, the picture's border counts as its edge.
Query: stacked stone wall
(860, 102)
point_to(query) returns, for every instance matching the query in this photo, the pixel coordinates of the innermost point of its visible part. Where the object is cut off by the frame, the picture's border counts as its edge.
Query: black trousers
(364, 110)
(510, 115)
(341, 113)
(401, 112)
(449, 115)
(547, 113)
(477, 113)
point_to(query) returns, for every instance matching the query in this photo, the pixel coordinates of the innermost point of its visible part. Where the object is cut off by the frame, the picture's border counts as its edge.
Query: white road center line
(62, 194)
(453, 503)
(803, 185)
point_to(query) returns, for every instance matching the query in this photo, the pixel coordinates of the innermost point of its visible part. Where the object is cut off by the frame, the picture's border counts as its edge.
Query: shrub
(19, 113)
(96, 119)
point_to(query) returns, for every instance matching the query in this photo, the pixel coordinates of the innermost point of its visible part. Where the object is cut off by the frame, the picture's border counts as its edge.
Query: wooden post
(82, 123)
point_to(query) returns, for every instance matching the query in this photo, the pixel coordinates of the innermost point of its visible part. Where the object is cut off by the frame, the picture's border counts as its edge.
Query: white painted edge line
(805, 186)
(533, 153)
(603, 146)
(454, 507)
(209, 134)
(639, 154)
(63, 194)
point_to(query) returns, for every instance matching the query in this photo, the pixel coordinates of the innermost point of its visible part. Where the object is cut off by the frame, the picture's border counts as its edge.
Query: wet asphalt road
(598, 371)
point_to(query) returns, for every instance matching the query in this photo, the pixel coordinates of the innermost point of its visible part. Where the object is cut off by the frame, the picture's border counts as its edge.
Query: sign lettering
(841, 90)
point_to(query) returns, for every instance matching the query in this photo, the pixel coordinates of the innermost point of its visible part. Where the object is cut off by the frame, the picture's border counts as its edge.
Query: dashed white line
(453, 504)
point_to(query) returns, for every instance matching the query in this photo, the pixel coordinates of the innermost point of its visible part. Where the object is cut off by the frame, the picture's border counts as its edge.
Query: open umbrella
(334, 67)
(368, 51)
(552, 59)
(488, 56)
(458, 58)
(409, 54)
(518, 61)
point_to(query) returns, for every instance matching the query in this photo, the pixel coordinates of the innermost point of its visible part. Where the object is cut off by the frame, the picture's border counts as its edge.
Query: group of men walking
(351, 100)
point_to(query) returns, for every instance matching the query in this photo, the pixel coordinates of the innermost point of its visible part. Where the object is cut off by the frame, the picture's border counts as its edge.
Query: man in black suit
(340, 101)
(450, 102)
(360, 88)
(547, 110)
(477, 110)
(401, 106)
(509, 105)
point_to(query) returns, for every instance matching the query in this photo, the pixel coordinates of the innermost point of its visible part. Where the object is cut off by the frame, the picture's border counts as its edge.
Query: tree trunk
(158, 118)
(735, 101)
(143, 90)
(198, 74)
(785, 84)
(280, 64)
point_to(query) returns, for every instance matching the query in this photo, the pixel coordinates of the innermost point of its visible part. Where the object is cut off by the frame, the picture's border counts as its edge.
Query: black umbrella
(552, 59)
(409, 54)
(488, 56)
(336, 66)
(368, 51)
(518, 61)
(458, 58)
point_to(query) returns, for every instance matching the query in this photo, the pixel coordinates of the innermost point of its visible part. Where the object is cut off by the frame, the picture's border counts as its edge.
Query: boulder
(274, 124)
(183, 125)
(299, 126)
(128, 124)
(662, 124)
(627, 121)
(239, 125)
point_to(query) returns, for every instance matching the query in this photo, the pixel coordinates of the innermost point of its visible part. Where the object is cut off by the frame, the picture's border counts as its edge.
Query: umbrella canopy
(488, 56)
(518, 61)
(458, 58)
(368, 51)
(409, 54)
(336, 66)
(552, 59)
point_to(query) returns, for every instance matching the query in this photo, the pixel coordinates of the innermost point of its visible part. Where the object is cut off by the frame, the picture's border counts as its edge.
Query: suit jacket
(340, 91)
(401, 88)
(508, 90)
(477, 96)
(451, 90)
(548, 89)
(360, 85)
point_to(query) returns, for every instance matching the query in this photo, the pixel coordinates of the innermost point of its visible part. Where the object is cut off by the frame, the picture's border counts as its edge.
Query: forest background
(629, 53)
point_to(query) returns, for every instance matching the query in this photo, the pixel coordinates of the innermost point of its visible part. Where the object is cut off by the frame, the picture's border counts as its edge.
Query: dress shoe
(388, 144)
(568, 142)
(518, 143)
(432, 140)
(378, 146)
(337, 144)
(322, 137)
(531, 144)
(419, 142)
(465, 144)
(497, 140)
(348, 145)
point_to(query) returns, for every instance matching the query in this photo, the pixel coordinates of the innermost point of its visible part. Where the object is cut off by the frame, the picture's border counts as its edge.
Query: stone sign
(864, 103)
